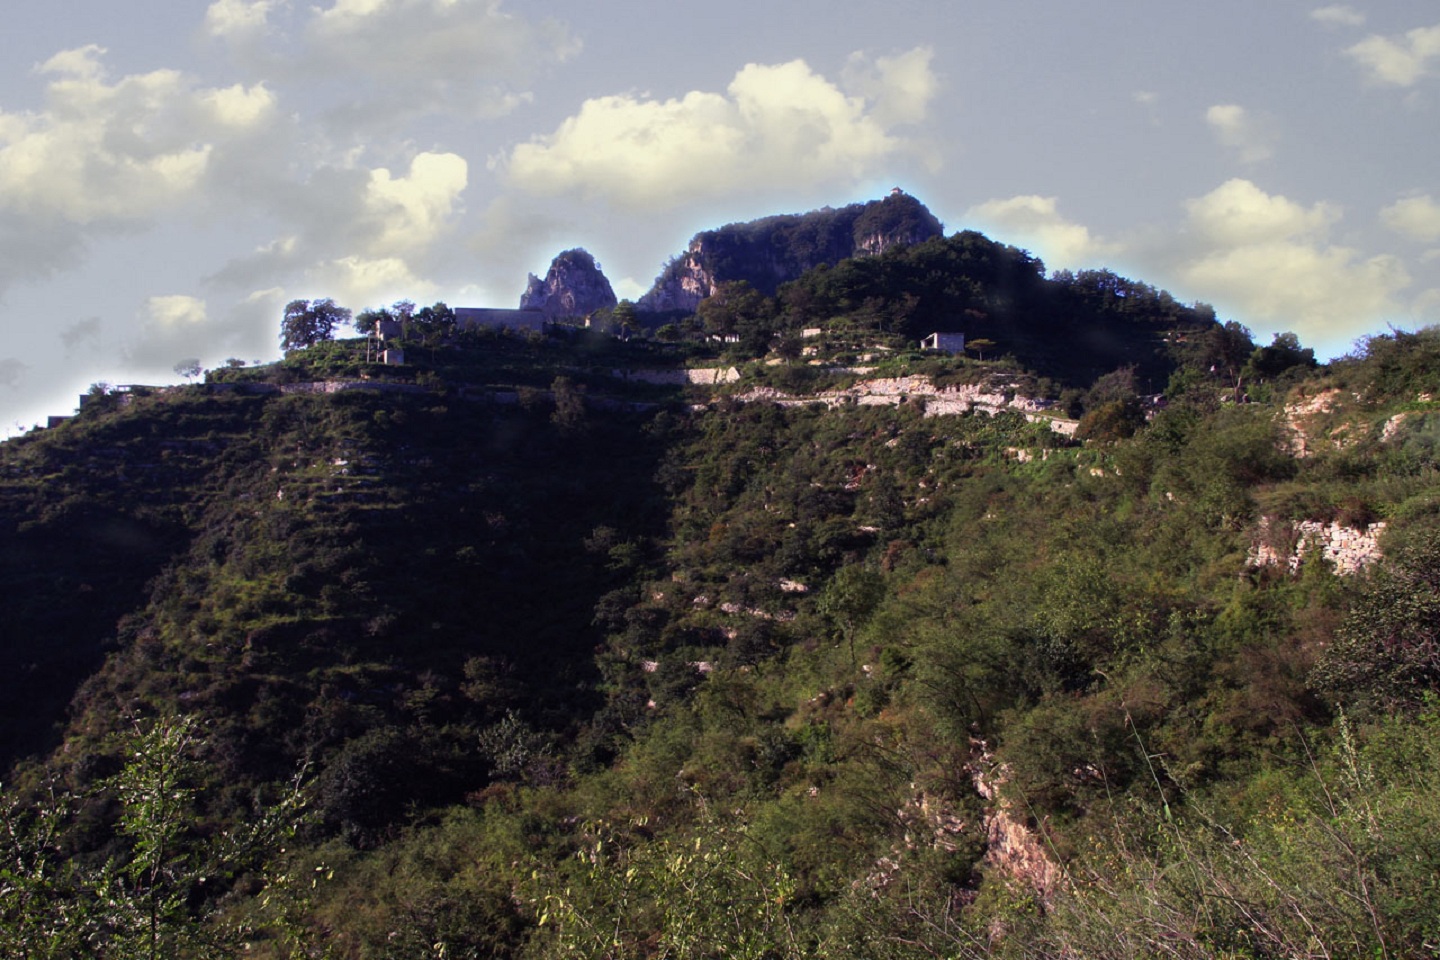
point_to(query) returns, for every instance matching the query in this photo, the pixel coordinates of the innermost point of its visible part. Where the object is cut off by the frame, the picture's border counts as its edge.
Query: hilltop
(771, 251)
(759, 629)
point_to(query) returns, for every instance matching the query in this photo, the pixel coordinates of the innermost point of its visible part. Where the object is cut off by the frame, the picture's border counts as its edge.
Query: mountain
(766, 253)
(574, 286)
(798, 643)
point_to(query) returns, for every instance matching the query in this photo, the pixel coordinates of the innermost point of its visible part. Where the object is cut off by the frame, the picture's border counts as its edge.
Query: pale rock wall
(1348, 549)
(939, 401)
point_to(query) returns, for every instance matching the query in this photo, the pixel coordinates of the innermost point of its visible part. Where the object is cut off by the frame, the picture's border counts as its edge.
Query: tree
(188, 368)
(164, 882)
(849, 600)
(625, 319)
(433, 322)
(308, 322)
(980, 345)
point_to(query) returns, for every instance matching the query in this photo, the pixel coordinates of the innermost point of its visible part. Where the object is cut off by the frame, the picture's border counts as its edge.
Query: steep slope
(577, 663)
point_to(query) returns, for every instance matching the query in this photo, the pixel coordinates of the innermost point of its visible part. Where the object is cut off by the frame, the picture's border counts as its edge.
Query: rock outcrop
(766, 253)
(1347, 549)
(992, 398)
(573, 287)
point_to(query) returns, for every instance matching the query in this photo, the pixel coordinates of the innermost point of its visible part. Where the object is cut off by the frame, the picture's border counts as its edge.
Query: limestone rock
(573, 287)
(766, 253)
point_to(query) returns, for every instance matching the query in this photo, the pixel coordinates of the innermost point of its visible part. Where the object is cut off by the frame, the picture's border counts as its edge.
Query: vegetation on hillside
(509, 652)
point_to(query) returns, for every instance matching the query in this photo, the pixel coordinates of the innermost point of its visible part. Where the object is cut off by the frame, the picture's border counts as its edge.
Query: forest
(510, 652)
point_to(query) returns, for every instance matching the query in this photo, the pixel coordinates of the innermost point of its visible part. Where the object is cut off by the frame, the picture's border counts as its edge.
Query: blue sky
(169, 180)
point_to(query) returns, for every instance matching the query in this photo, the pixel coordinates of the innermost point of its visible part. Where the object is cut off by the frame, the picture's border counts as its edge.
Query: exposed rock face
(685, 282)
(766, 253)
(573, 287)
(991, 398)
(1012, 849)
(1348, 549)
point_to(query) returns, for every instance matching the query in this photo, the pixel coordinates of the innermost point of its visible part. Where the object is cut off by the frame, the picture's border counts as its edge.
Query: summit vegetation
(759, 632)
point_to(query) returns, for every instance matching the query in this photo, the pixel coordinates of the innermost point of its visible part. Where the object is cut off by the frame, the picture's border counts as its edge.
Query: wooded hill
(513, 651)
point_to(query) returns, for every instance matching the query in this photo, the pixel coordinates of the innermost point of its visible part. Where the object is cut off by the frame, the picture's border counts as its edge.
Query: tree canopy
(308, 322)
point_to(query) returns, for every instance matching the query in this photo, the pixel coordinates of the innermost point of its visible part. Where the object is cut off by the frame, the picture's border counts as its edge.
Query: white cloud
(239, 106)
(413, 210)
(348, 231)
(1338, 15)
(177, 312)
(102, 151)
(237, 18)
(1401, 61)
(1034, 223)
(82, 63)
(106, 155)
(1238, 213)
(900, 87)
(1239, 130)
(1265, 258)
(1415, 217)
(102, 156)
(355, 281)
(172, 328)
(413, 57)
(783, 126)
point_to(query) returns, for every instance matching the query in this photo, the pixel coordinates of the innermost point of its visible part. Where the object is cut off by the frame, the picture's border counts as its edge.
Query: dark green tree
(308, 322)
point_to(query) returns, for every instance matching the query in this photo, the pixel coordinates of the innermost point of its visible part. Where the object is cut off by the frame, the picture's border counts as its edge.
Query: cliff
(574, 286)
(774, 250)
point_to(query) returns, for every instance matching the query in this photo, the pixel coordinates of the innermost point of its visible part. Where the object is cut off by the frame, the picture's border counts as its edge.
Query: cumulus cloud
(413, 210)
(237, 18)
(781, 125)
(1338, 15)
(367, 65)
(1399, 61)
(351, 230)
(361, 280)
(102, 156)
(100, 151)
(172, 328)
(1415, 217)
(1238, 213)
(1239, 130)
(1266, 258)
(900, 87)
(1035, 223)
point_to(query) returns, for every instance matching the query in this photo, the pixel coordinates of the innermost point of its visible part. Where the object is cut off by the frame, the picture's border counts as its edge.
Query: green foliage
(716, 893)
(308, 322)
(1386, 655)
(159, 895)
(586, 665)
(1340, 860)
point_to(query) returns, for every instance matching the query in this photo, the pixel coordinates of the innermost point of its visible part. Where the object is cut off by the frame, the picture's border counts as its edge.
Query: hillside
(777, 644)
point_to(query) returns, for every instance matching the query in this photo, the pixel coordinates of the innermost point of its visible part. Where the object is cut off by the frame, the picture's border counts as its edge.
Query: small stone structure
(952, 343)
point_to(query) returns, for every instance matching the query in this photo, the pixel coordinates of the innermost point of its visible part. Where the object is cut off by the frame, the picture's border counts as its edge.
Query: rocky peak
(766, 253)
(573, 287)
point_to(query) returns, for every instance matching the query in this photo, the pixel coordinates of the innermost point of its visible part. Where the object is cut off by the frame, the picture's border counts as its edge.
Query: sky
(172, 174)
